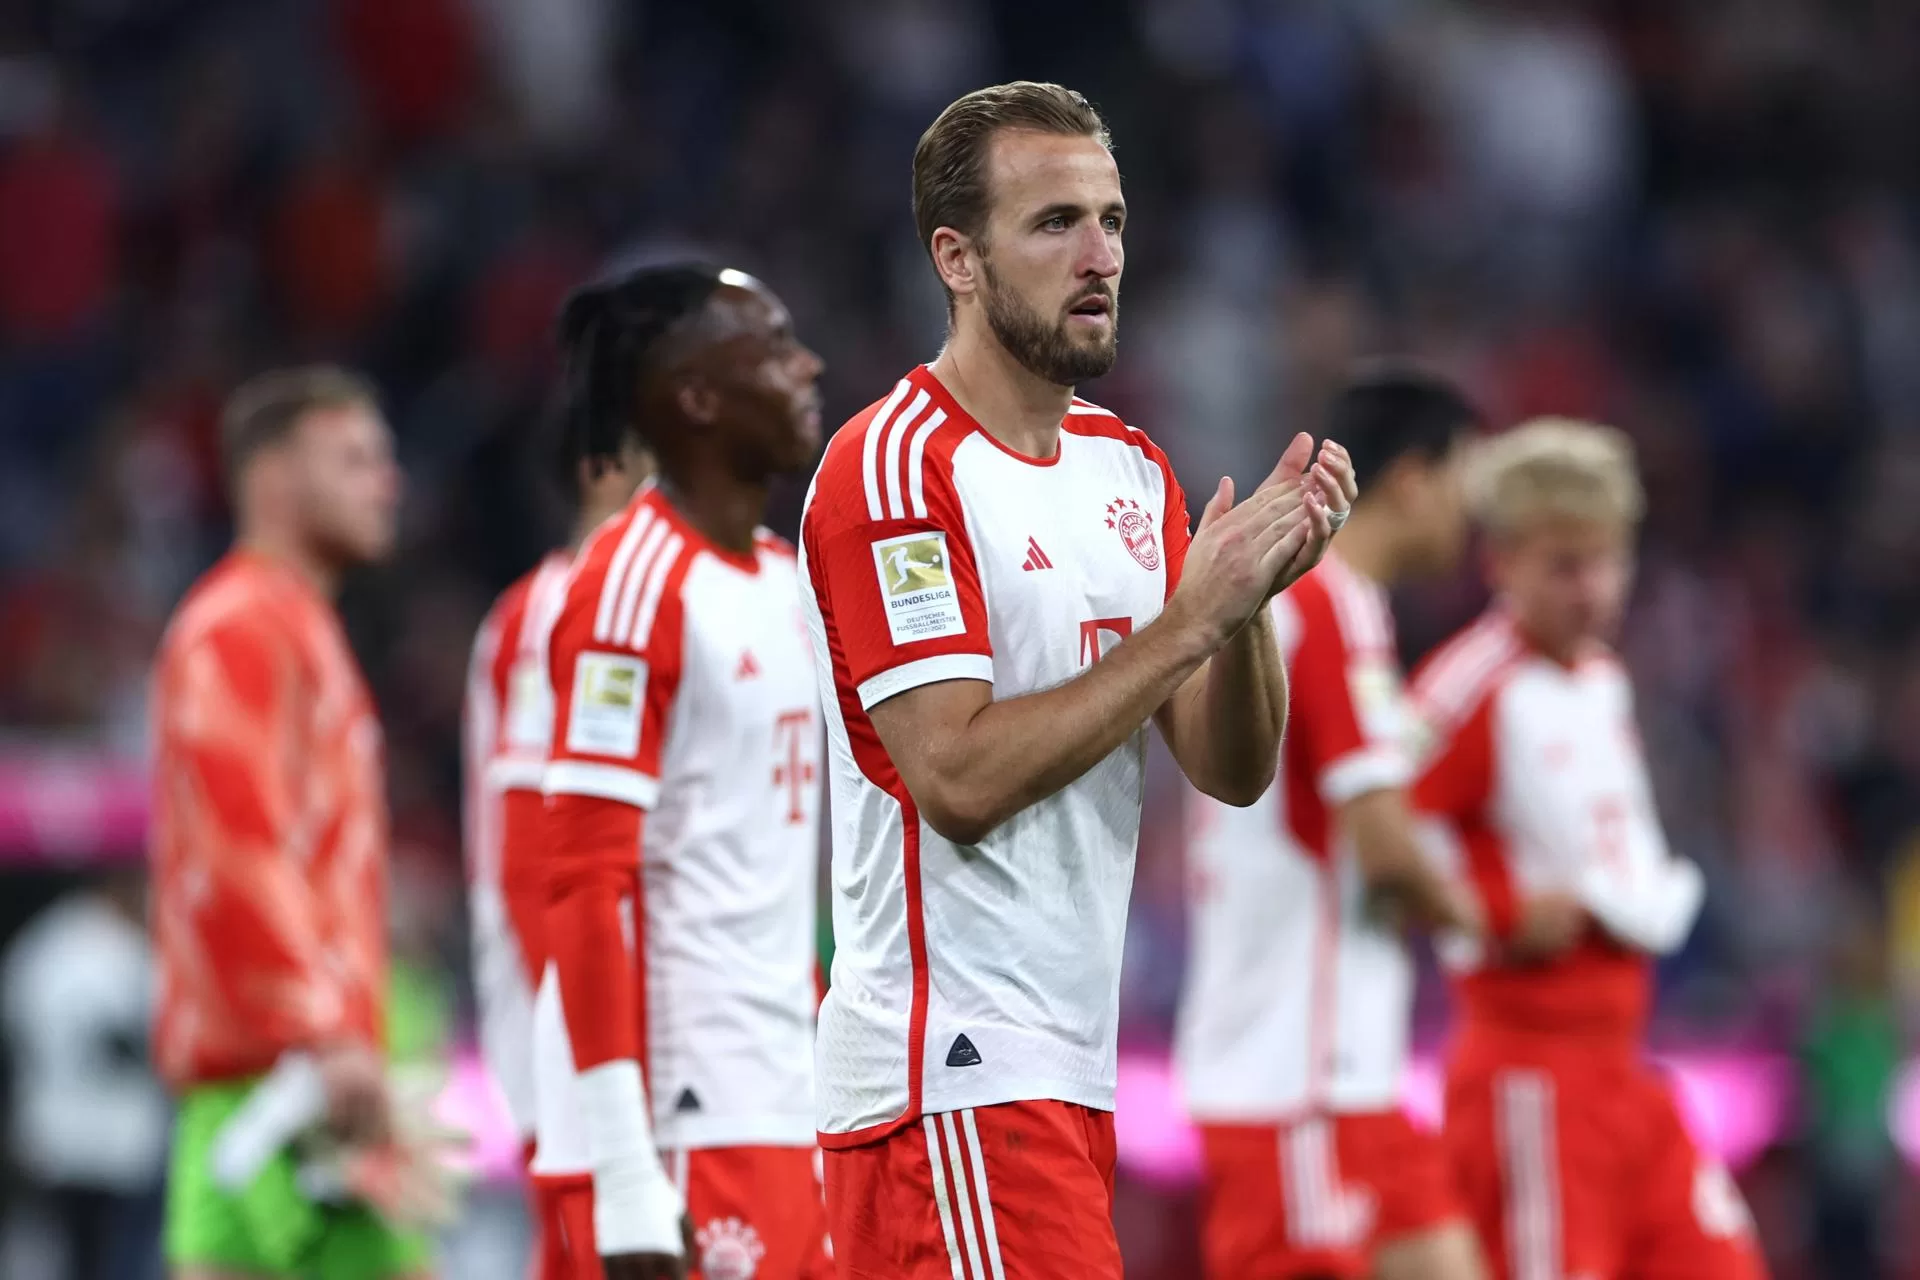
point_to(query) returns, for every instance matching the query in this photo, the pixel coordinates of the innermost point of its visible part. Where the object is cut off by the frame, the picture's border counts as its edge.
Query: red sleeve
(479, 729)
(615, 673)
(1456, 785)
(1175, 524)
(1346, 713)
(482, 713)
(892, 566)
(233, 739)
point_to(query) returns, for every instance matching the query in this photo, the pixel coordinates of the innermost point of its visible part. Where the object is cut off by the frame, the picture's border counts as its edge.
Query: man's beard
(1045, 351)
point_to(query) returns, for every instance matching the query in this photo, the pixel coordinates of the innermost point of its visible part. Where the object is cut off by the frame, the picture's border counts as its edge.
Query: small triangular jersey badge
(748, 668)
(963, 1054)
(687, 1101)
(1036, 558)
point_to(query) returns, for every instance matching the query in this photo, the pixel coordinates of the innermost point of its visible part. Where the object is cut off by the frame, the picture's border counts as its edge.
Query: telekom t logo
(1090, 647)
(793, 770)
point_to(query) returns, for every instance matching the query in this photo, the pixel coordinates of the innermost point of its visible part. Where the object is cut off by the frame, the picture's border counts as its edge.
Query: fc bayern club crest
(729, 1250)
(1136, 530)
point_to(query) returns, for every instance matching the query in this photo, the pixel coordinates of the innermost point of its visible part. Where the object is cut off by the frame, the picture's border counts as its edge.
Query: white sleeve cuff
(636, 1207)
(516, 773)
(1654, 915)
(603, 781)
(1371, 768)
(289, 1101)
(911, 675)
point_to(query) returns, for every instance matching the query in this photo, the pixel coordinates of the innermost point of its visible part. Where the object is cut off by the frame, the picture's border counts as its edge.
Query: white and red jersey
(506, 726)
(1533, 780)
(970, 976)
(684, 692)
(1295, 1000)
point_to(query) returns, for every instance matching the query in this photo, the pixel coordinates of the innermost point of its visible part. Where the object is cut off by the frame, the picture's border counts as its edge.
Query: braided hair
(608, 331)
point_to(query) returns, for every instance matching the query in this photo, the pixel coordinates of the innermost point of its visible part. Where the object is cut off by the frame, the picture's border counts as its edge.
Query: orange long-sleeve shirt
(269, 837)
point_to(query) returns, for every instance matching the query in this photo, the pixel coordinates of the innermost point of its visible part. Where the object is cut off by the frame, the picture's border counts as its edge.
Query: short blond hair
(266, 408)
(1555, 468)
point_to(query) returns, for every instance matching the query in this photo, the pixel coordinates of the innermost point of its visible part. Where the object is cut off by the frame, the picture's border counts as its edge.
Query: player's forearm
(1396, 868)
(592, 873)
(1653, 913)
(592, 876)
(285, 1006)
(1013, 753)
(272, 974)
(274, 977)
(1227, 731)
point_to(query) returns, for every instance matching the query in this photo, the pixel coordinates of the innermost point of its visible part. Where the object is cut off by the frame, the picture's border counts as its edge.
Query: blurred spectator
(89, 1119)
(1851, 1056)
(58, 205)
(330, 248)
(413, 63)
(554, 57)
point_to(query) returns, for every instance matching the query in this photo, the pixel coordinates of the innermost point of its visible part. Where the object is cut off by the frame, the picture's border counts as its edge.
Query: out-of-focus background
(1696, 220)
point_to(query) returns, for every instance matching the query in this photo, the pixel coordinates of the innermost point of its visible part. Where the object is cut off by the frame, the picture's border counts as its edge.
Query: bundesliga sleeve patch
(1377, 700)
(917, 588)
(609, 691)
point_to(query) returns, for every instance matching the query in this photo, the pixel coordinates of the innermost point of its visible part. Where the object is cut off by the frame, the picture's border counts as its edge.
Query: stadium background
(1694, 220)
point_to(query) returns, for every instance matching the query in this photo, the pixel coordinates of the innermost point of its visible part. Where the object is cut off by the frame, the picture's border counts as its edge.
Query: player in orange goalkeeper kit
(269, 845)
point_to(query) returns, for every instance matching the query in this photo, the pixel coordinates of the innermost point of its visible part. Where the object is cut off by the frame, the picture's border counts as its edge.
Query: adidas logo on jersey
(748, 668)
(963, 1054)
(1036, 558)
(687, 1101)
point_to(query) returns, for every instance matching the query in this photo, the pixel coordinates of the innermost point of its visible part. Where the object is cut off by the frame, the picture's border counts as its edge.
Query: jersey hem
(700, 1133)
(999, 1093)
(516, 773)
(911, 675)
(1260, 1113)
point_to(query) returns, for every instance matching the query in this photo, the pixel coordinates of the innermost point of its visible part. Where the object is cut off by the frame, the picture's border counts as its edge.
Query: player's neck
(284, 547)
(1561, 651)
(1367, 546)
(1021, 411)
(724, 510)
(591, 517)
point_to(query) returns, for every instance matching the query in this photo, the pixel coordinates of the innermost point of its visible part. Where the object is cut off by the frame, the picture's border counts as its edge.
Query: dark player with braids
(673, 1026)
(507, 729)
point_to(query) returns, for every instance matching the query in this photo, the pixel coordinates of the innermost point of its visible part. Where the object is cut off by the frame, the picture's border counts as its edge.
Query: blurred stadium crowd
(1694, 221)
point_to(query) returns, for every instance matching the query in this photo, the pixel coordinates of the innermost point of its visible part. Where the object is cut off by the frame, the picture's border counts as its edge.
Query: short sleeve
(1348, 712)
(615, 670)
(1454, 791)
(1455, 778)
(900, 594)
(1176, 527)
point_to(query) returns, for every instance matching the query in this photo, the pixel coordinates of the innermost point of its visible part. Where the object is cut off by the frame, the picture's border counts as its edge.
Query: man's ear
(955, 260)
(696, 401)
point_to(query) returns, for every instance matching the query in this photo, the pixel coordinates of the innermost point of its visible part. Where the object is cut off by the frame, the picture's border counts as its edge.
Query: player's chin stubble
(1048, 351)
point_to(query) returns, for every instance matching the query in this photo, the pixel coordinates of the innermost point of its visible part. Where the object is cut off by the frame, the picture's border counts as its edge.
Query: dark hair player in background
(507, 729)
(674, 1022)
(1293, 1033)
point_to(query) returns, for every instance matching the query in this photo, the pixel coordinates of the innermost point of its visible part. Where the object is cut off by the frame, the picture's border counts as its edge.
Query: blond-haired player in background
(1567, 1145)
